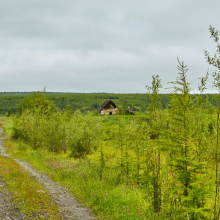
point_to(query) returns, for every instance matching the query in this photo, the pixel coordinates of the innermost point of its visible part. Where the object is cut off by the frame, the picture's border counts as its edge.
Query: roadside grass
(30, 197)
(8, 124)
(83, 179)
(93, 185)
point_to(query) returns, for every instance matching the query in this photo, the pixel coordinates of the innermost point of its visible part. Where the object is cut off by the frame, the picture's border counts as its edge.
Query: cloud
(102, 46)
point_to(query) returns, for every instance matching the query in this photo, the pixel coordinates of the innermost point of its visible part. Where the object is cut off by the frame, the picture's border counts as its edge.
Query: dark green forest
(91, 101)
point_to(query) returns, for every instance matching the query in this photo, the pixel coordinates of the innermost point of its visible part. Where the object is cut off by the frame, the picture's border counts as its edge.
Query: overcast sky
(103, 46)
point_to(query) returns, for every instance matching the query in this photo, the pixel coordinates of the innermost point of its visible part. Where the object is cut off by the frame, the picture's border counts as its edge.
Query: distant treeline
(91, 101)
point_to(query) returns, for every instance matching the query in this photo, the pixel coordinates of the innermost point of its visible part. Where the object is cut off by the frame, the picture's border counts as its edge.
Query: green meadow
(157, 165)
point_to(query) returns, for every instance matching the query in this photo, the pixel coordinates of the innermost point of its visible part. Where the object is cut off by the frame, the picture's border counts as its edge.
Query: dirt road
(68, 206)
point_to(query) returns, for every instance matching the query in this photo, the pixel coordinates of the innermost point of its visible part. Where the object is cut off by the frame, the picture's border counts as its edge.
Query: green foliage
(84, 132)
(126, 159)
(154, 92)
(215, 62)
(58, 131)
(36, 102)
(121, 109)
(137, 102)
(155, 130)
(8, 114)
(78, 101)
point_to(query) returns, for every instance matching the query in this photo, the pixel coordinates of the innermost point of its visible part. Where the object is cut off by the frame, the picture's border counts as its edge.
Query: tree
(185, 163)
(8, 114)
(215, 62)
(153, 114)
(36, 101)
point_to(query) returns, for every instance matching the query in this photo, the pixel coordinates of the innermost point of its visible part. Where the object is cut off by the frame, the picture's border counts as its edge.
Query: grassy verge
(30, 197)
(108, 199)
(8, 124)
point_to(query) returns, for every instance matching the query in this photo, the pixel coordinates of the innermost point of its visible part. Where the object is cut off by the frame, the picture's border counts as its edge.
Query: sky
(104, 46)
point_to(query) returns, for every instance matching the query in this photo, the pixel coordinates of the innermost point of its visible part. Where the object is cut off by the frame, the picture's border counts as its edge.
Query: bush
(8, 114)
(85, 130)
(36, 101)
(59, 131)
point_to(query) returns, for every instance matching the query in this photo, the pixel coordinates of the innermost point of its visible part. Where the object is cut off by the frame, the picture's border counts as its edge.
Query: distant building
(108, 108)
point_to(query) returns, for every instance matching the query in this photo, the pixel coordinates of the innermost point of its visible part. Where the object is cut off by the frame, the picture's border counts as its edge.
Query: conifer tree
(153, 113)
(181, 104)
(189, 171)
(214, 61)
(200, 105)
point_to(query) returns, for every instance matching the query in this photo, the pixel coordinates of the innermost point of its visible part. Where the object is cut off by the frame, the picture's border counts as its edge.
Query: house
(107, 108)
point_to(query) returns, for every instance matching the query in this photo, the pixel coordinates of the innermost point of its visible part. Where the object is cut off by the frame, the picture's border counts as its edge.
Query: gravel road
(7, 209)
(67, 204)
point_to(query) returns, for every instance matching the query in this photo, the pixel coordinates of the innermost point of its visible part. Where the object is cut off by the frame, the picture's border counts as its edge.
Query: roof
(106, 103)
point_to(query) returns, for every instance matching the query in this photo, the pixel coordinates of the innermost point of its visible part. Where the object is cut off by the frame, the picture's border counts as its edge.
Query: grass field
(134, 163)
(108, 199)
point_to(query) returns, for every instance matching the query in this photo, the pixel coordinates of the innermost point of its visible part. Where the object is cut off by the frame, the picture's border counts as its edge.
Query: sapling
(185, 164)
(127, 157)
(200, 106)
(102, 163)
(215, 62)
(121, 143)
(180, 105)
(137, 142)
(153, 110)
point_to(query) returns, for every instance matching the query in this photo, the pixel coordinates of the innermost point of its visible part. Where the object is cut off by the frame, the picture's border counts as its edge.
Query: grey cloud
(102, 46)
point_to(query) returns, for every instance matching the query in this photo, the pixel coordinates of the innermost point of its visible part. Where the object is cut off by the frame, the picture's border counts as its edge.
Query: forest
(82, 101)
(161, 163)
(91, 101)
